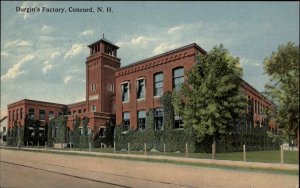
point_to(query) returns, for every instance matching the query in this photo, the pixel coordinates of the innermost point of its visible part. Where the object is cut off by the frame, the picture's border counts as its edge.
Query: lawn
(272, 156)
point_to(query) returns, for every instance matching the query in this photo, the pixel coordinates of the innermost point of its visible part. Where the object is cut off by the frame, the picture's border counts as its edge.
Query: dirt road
(32, 169)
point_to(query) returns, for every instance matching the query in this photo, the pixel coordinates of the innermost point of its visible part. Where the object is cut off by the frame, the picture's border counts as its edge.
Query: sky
(43, 54)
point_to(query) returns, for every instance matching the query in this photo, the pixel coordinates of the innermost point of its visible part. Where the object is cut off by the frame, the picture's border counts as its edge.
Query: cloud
(47, 67)
(257, 64)
(18, 42)
(4, 54)
(141, 40)
(47, 29)
(164, 47)
(75, 50)
(87, 32)
(55, 54)
(15, 70)
(176, 28)
(67, 79)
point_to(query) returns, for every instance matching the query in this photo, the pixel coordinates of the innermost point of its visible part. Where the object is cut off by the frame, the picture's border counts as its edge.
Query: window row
(15, 114)
(158, 120)
(41, 114)
(158, 85)
(255, 106)
(77, 111)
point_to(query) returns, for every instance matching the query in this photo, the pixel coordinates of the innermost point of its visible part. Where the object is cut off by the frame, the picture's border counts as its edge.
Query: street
(33, 169)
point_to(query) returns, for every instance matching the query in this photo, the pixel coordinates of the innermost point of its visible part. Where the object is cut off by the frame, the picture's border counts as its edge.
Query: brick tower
(101, 65)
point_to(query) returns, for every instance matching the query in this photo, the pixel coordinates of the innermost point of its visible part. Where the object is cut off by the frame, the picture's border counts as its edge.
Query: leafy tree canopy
(283, 68)
(213, 100)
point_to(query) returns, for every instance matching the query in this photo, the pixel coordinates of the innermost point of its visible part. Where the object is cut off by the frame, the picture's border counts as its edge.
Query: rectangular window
(158, 118)
(51, 114)
(42, 114)
(140, 89)
(17, 114)
(4, 129)
(60, 113)
(158, 84)
(141, 119)
(93, 87)
(79, 111)
(178, 123)
(255, 107)
(74, 111)
(249, 104)
(125, 92)
(13, 115)
(178, 78)
(21, 113)
(93, 108)
(84, 110)
(126, 121)
(31, 113)
(9, 116)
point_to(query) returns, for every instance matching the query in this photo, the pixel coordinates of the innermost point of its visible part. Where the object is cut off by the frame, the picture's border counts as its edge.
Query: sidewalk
(184, 160)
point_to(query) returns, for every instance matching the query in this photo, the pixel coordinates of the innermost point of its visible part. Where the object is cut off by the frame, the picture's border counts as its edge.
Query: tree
(283, 68)
(213, 100)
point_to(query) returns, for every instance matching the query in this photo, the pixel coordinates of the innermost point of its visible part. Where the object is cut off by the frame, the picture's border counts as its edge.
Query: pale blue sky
(43, 54)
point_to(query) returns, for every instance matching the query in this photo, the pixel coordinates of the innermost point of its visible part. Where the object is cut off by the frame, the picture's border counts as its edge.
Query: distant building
(122, 95)
(3, 128)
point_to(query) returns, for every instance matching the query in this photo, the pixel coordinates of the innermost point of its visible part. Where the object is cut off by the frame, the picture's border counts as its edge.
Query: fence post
(213, 154)
(164, 147)
(186, 150)
(38, 143)
(46, 145)
(145, 148)
(27, 143)
(128, 148)
(90, 145)
(114, 147)
(281, 154)
(244, 151)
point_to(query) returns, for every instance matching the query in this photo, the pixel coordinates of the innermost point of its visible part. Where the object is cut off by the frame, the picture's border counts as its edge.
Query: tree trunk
(213, 154)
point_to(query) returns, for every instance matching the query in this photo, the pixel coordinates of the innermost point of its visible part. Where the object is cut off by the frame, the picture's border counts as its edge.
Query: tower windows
(93, 87)
(93, 108)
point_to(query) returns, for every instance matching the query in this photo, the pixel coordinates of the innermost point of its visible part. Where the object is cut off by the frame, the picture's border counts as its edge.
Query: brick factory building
(122, 95)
